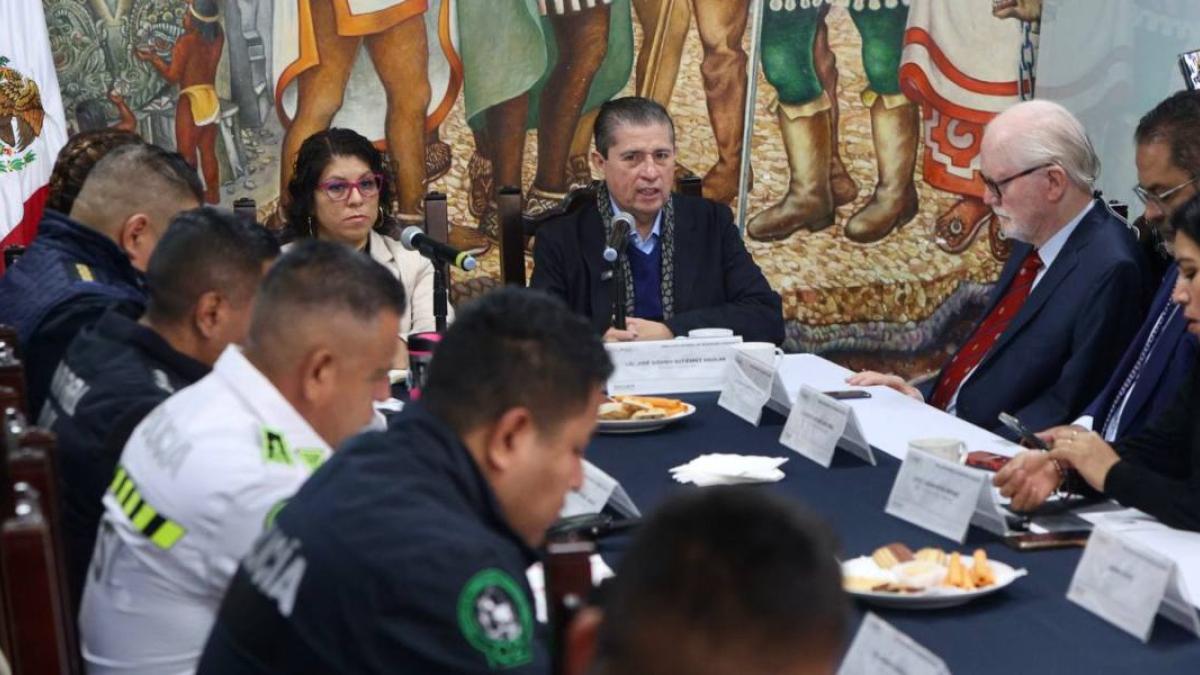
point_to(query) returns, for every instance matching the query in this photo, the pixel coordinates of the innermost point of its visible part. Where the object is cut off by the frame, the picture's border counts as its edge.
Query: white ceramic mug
(949, 449)
(764, 352)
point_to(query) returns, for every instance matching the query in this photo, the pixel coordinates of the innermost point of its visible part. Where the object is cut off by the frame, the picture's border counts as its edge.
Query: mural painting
(862, 190)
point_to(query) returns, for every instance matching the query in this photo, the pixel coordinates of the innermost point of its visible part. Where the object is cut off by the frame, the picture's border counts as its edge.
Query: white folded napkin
(724, 469)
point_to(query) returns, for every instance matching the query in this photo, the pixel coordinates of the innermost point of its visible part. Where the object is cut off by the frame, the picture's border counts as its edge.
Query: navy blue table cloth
(1029, 627)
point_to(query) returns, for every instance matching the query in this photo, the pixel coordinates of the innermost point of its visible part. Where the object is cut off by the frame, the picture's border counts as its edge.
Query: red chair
(512, 237)
(42, 631)
(568, 568)
(34, 464)
(12, 373)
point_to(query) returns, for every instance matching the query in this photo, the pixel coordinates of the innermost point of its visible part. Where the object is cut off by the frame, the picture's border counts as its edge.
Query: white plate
(638, 426)
(937, 598)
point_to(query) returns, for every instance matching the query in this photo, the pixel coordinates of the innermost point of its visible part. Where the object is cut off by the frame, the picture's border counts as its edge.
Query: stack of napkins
(717, 469)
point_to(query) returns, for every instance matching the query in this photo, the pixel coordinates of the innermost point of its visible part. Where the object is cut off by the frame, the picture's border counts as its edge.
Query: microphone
(413, 239)
(622, 225)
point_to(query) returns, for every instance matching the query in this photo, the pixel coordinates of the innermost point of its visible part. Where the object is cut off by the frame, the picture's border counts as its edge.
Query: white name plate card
(670, 366)
(818, 424)
(936, 495)
(747, 387)
(1127, 585)
(879, 647)
(598, 490)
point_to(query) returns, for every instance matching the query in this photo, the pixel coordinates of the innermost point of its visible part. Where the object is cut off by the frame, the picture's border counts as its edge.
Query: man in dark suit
(1160, 358)
(685, 265)
(1068, 299)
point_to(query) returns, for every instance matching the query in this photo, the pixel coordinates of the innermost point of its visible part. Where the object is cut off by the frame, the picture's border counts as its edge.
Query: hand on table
(1028, 479)
(639, 329)
(649, 330)
(870, 378)
(1087, 453)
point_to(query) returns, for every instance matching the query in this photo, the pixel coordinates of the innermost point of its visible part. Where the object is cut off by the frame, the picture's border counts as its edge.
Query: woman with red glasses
(341, 190)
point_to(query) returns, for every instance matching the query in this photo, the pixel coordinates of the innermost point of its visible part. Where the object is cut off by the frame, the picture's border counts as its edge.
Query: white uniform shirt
(197, 482)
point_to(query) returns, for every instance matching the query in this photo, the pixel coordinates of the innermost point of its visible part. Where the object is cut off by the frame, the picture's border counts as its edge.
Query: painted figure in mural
(960, 89)
(330, 34)
(193, 68)
(511, 53)
(804, 110)
(721, 25)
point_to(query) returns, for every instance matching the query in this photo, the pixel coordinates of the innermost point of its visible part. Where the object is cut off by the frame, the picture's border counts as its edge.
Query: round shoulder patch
(494, 617)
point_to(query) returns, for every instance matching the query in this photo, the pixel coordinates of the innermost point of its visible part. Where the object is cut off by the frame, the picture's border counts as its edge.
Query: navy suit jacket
(1057, 352)
(1165, 370)
(717, 284)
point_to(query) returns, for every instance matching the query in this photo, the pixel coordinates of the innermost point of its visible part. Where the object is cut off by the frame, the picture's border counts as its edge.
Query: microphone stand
(441, 295)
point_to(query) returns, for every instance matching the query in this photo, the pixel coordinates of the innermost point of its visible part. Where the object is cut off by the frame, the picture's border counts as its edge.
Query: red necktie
(989, 330)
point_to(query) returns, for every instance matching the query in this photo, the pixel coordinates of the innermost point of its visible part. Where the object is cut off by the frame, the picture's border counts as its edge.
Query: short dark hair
(316, 152)
(728, 569)
(76, 160)
(151, 168)
(1174, 121)
(515, 348)
(317, 277)
(208, 30)
(1186, 219)
(205, 249)
(634, 110)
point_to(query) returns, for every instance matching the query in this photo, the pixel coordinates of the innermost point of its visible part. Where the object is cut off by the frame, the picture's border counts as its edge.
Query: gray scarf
(666, 241)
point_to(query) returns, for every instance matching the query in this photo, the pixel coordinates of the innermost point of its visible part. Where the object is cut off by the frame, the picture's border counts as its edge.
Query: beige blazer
(415, 273)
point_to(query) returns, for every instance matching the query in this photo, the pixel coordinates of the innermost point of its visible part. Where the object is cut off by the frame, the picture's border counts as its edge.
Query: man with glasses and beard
(1069, 296)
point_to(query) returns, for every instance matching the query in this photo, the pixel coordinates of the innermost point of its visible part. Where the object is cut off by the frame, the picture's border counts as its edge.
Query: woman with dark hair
(341, 190)
(1156, 470)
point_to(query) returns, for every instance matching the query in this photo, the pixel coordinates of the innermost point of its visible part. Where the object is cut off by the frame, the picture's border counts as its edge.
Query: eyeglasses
(1160, 199)
(339, 190)
(994, 186)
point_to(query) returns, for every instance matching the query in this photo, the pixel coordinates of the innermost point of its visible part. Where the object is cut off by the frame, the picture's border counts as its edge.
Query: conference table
(1028, 627)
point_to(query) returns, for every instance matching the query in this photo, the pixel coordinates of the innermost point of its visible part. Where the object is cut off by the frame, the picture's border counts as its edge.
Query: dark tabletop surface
(1029, 627)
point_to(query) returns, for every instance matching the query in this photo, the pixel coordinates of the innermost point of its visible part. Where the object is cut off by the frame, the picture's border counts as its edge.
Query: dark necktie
(988, 331)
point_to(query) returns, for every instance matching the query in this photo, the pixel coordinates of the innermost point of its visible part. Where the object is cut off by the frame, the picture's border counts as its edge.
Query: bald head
(132, 193)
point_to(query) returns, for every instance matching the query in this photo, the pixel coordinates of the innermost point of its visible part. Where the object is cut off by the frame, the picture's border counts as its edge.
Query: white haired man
(1068, 300)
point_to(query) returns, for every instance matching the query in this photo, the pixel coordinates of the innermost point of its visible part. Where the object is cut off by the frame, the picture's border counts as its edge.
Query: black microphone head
(625, 220)
(409, 234)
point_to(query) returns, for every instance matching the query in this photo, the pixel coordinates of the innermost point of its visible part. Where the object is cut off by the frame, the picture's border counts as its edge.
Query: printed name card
(670, 366)
(1127, 585)
(747, 387)
(598, 490)
(818, 424)
(879, 647)
(937, 495)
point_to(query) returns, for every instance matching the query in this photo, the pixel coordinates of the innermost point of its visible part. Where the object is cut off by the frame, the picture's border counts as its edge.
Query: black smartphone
(1047, 540)
(1189, 64)
(1014, 425)
(848, 394)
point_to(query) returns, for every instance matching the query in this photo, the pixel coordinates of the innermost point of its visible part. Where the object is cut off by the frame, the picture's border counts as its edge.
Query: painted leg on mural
(190, 139)
(955, 229)
(803, 111)
(437, 155)
(895, 127)
(721, 26)
(319, 90)
(400, 56)
(582, 39)
(845, 190)
(500, 151)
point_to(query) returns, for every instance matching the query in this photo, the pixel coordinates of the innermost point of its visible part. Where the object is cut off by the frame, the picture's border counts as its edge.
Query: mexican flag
(32, 125)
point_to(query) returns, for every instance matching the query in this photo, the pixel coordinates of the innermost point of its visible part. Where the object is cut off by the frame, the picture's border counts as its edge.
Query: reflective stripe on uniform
(161, 530)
